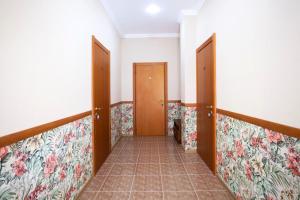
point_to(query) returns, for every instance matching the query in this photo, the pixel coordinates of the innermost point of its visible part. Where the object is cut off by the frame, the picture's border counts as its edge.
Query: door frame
(211, 39)
(165, 93)
(94, 43)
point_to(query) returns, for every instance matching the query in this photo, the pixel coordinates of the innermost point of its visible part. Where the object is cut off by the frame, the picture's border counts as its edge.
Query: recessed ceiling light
(153, 9)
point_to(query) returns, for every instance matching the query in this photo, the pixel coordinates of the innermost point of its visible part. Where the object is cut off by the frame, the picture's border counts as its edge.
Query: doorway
(100, 103)
(150, 99)
(206, 102)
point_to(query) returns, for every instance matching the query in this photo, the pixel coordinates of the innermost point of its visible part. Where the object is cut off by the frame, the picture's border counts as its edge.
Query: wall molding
(120, 103)
(188, 104)
(174, 101)
(283, 129)
(125, 102)
(155, 35)
(22, 135)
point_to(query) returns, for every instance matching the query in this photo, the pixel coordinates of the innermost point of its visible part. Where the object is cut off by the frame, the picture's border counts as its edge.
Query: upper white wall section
(187, 58)
(150, 50)
(258, 59)
(45, 60)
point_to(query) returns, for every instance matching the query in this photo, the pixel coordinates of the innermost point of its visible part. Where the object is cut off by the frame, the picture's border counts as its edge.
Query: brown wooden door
(206, 103)
(150, 99)
(101, 102)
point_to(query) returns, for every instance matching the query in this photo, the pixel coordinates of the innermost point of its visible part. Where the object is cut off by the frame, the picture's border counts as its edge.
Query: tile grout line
(133, 177)
(189, 177)
(107, 175)
(161, 181)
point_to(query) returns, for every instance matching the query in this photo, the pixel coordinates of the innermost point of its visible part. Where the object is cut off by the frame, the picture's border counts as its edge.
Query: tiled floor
(154, 168)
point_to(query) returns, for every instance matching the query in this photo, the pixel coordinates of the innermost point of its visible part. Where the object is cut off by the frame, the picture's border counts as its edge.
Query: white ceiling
(130, 18)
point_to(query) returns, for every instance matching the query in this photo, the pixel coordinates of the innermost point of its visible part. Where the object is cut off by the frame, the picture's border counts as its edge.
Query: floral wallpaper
(116, 124)
(52, 165)
(127, 118)
(173, 113)
(257, 163)
(189, 127)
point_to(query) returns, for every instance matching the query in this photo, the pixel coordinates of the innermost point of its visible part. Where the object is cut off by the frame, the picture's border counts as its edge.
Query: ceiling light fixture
(153, 9)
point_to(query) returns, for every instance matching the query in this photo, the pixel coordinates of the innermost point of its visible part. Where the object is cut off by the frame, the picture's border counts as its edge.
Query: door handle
(96, 116)
(162, 102)
(96, 108)
(210, 114)
(209, 107)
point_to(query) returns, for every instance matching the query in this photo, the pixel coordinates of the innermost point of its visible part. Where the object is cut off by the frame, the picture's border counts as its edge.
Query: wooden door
(101, 102)
(150, 98)
(206, 103)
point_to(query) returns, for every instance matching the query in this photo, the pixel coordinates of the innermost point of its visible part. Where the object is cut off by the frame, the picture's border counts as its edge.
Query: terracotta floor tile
(115, 152)
(180, 196)
(148, 151)
(148, 169)
(112, 196)
(213, 182)
(180, 150)
(198, 182)
(147, 183)
(146, 196)
(169, 158)
(150, 145)
(86, 195)
(105, 169)
(123, 169)
(168, 151)
(154, 168)
(129, 153)
(95, 184)
(127, 159)
(172, 169)
(222, 195)
(190, 157)
(152, 158)
(205, 195)
(176, 183)
(111, 159)
(197, 168)
(117, 183)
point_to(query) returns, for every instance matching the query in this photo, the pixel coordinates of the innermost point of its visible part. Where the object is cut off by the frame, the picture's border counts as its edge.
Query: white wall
(258, 45)
(187, 58)
(150, 50)
(45, 59)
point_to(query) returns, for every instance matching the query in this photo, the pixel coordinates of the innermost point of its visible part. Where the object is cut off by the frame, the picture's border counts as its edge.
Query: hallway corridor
(153, 168)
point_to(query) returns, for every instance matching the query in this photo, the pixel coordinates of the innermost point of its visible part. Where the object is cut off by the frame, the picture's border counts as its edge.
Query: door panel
(206, 104)
(101, 101)
(150, 99)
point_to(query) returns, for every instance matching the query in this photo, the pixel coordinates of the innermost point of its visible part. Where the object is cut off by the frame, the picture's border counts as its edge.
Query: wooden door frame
(165, 93)
(94, 43)
(212, 40)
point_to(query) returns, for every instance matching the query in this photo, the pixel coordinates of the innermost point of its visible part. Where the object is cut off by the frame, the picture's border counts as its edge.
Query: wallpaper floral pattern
(127, 119)
(173, 113)
(116, 124)
(257, 163)
(189, 127)
(52, 165)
